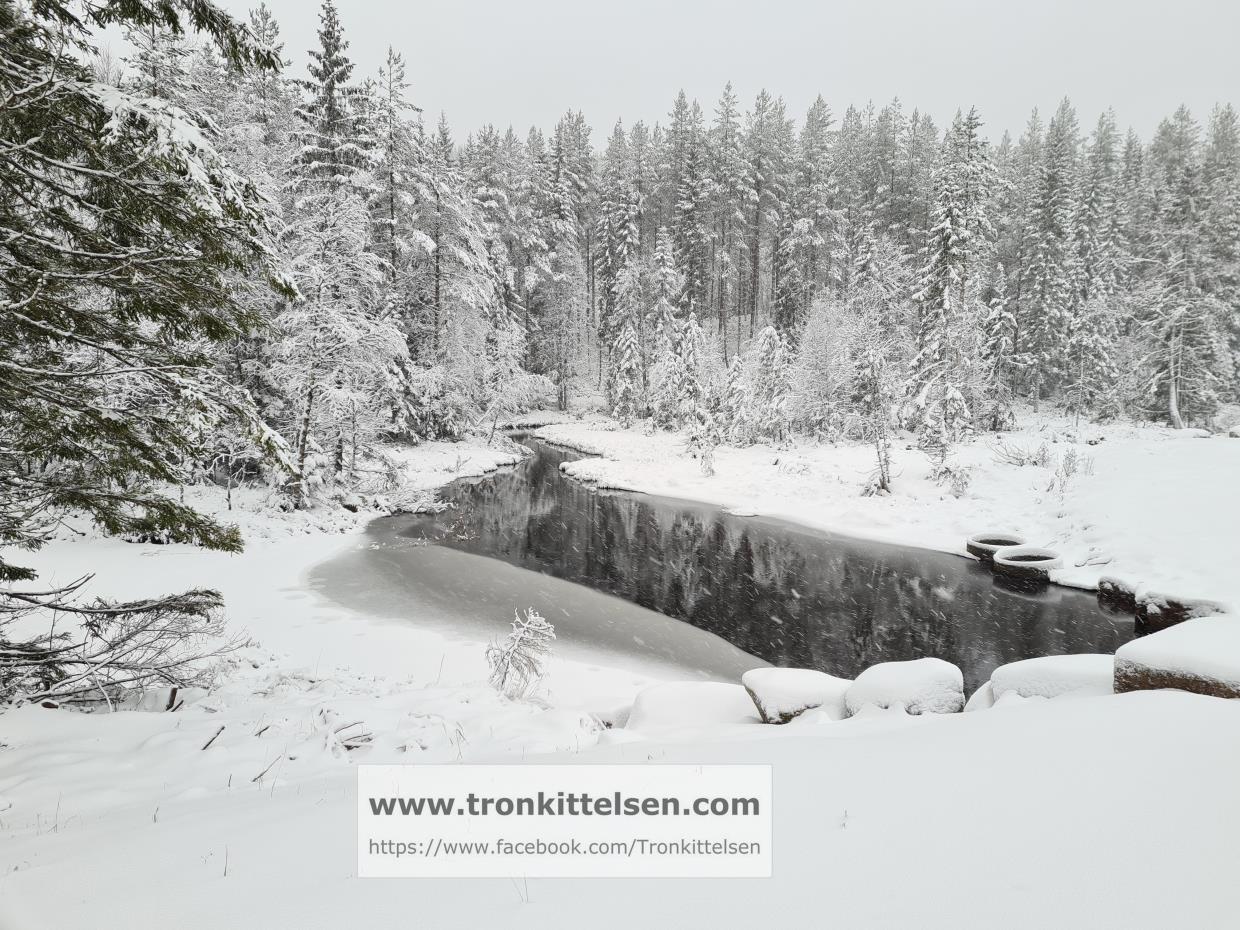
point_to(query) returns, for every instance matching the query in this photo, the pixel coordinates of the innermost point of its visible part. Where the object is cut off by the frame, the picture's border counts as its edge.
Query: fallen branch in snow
(207, 745)
(106, 650)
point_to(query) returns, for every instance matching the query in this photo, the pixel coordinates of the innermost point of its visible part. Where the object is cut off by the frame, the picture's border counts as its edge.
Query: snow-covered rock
(1117, 593)
(1201, 655)
(1054, 676)
(691, 704)
(981, 699)
(920, 686)
(1157, 611)
(783, 693)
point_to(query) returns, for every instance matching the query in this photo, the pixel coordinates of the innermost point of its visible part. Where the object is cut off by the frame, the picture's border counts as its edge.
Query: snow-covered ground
(1156, 507)
(238, 810)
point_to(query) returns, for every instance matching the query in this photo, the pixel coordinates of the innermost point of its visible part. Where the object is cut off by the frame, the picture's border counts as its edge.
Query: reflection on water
(788, 595)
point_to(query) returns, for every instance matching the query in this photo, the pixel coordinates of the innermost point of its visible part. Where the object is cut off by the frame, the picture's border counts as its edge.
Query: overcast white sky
(524, 62)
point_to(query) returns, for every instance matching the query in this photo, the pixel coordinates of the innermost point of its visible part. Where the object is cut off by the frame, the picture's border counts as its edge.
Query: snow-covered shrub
(954, 476)
(517, 662)
(1070, 464)
(1007, 453)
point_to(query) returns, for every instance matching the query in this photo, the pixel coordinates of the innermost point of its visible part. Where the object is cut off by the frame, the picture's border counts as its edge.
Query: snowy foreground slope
(1116, 812)
(1104, 811)
(1156, 507)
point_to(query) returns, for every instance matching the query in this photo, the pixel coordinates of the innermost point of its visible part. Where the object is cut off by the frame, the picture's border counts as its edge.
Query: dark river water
(785, 594)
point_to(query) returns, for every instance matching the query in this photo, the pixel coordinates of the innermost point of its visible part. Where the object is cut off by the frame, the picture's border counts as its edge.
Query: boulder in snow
(783, 693)
(1157, 611)
(690, 704)
(1200, 655)
(981, 699)
(1054, 676)
(921, 686)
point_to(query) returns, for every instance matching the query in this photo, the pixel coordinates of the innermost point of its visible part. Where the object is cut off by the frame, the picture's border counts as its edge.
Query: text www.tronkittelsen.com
(564, 820)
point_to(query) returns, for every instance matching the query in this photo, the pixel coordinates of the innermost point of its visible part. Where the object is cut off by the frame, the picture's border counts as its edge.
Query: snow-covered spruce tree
(458, 293)
(159, 63)
(1089, 369)
(517, 662)
(123, 225)
(690, 230)
(998, 343)
(626, 359)
(666, 369)
(946, 293)
(1046, 316)
(617, 234)
(1221, 222)
(340, 352)
(692, 400)
(330, 150)
(729, 174)
(770, 386)
(398, 159)
(1187, 364)
(337, 353)
(809, 222)
(735, 408)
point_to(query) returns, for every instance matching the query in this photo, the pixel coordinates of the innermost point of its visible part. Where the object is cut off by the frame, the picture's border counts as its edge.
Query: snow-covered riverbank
(237, 810)
(1156, 507)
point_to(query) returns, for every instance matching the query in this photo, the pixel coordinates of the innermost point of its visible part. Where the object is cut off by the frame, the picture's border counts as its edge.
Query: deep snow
(1115, 811)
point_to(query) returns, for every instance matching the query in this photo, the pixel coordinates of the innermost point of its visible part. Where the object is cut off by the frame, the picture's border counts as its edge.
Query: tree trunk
(1173, 384)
